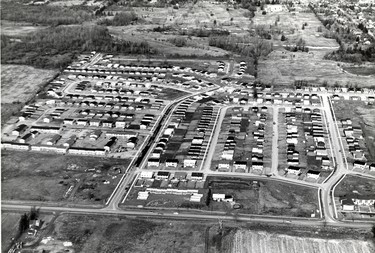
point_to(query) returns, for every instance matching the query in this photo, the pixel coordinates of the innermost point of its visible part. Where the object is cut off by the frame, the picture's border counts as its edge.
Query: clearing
(19, 84)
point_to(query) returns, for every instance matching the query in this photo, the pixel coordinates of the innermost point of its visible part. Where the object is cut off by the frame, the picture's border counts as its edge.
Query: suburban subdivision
(130, 152)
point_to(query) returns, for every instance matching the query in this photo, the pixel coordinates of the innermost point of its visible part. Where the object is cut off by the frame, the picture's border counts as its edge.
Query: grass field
(362, 71)
(18, 29)
(110, 234)
(290, 24)
(284, 67)
(9, 228)
(355, 185)
(19, 84)
(47, 177)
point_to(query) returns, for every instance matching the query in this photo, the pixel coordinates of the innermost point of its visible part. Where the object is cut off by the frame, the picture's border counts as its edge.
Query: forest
(55, 47)
(45, 15)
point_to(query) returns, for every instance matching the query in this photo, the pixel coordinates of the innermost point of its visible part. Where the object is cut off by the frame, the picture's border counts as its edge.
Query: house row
(362, 165)
(297, 171)
(172, 191)
(351, 203)
(353, 135)
(64, 149)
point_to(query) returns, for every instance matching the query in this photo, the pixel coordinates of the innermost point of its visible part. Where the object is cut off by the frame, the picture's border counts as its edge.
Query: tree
(34, 213)
(24, 223)
(255, 92)
(283, 38)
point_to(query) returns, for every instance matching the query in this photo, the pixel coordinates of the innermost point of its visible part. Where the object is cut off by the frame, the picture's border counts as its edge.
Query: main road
(341, 167)
(191, 216)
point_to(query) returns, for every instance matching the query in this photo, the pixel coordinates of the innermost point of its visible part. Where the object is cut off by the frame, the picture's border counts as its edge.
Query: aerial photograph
(187, 126)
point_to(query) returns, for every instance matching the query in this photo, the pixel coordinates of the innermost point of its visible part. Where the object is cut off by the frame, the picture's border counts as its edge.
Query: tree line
(245, 46)
(120, 19)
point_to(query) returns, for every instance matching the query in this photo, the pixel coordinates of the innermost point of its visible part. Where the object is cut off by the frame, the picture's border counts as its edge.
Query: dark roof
(163, 173)
(197, 174)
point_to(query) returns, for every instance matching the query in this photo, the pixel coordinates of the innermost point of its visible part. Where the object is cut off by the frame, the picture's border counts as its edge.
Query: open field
(69, 179)
(361, 70)
(290, 24)
(18, 29)
(19, 84)
(264, 197)
(199, 15)
(110, 234)
(284, 67)
(355, 185)
(9, 228)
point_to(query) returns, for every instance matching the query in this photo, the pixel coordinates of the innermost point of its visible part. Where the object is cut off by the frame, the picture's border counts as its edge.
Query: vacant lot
(9, 228)
(19, 84)
(352, 185)
(109, 234)
(265, 197)
(50, 177)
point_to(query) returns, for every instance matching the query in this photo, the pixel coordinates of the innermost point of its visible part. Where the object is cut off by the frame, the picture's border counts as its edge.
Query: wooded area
(55, 47)
(45, 15)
